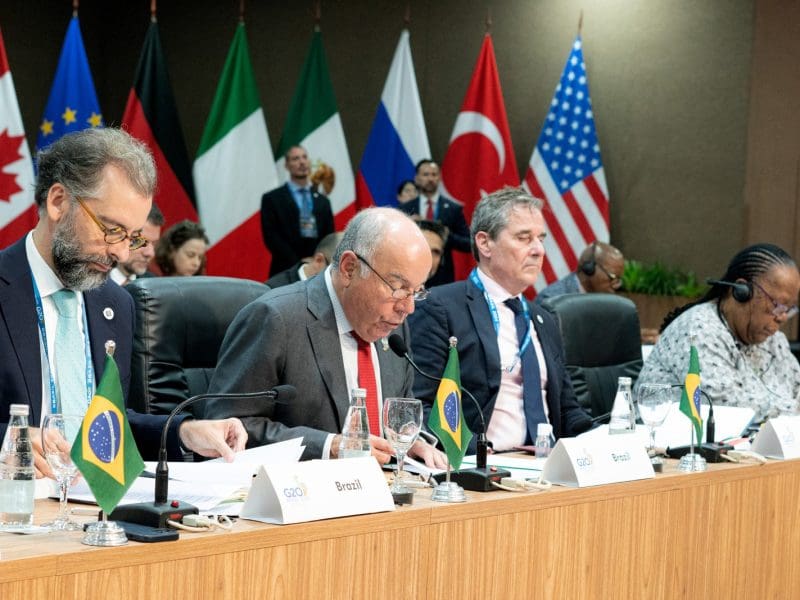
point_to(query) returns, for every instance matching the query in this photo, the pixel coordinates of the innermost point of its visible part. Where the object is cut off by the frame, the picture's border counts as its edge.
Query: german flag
(152, 117)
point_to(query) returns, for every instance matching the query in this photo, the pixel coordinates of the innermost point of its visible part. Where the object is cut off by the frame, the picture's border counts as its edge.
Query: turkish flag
(480, 158)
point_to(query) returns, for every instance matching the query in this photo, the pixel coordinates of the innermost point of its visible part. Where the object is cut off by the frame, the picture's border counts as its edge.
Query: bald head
(381, 261)
(600, 269)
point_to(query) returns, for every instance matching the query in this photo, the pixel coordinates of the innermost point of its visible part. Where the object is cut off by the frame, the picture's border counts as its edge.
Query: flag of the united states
(566, 171)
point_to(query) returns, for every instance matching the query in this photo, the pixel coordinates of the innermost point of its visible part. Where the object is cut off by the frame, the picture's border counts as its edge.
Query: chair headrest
(597, 329)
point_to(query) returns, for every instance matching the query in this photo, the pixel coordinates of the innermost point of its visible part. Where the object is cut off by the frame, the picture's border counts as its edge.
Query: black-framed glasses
(398, 293)
(616, 281)
(778, 309)
(115, 235)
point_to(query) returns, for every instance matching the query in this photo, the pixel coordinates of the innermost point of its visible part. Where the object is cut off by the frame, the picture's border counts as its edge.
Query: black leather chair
(180, 324)
(602, 342)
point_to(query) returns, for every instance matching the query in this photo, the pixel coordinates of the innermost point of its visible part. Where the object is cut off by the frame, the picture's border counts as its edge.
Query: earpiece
(742, 292)
(588, 267)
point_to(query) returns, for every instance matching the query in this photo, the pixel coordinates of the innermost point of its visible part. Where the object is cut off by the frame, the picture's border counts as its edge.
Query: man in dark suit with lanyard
(57, 306)
(294, 216)
(511, 353)
(430, 205)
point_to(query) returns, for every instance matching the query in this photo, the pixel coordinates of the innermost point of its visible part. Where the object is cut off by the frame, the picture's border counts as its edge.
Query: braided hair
(748, 264)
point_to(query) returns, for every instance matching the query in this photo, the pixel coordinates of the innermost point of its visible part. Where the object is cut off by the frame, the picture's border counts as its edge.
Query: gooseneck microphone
(157, 513)
(399, 347)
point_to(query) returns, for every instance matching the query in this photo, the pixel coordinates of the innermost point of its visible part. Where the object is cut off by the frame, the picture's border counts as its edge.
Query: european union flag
(73, 102)
(104, 450)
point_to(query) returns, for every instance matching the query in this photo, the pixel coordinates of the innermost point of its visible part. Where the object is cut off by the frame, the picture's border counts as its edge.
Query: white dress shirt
(507, 426)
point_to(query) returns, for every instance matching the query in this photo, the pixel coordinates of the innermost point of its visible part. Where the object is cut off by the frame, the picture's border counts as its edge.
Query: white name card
(317, 489)
(578, 462)
(779, 438)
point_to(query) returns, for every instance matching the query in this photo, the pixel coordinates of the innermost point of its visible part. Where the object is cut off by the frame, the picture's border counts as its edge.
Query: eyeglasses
(400, 293)
(115, 235)
(778, 309)
(616, 282)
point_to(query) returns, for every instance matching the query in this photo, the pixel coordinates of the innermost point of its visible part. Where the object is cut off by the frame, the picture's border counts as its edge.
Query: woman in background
(182, 250)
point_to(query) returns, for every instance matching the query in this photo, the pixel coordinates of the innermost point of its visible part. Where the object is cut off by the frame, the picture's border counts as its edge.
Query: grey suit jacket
(289, 336)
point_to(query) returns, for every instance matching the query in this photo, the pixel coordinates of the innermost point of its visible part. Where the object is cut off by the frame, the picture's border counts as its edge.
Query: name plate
(317, 489)
(779, 438)
(580, 462)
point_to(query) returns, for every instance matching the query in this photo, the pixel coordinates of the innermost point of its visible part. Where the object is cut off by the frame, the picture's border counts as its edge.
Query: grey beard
(72, 267)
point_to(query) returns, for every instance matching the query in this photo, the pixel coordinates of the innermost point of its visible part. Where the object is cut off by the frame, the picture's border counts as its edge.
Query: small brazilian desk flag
(446, 420)
(690, 398)
(104, 450)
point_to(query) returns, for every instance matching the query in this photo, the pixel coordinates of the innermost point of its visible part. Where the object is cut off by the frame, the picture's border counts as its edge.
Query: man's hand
(432, 457)
(214, 438)
(380, 448)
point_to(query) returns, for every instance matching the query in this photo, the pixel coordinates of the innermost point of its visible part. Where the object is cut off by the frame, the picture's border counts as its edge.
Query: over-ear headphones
(589, 266)
(742, 292)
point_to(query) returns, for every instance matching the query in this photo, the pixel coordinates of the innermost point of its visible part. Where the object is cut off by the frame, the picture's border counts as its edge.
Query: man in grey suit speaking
(326, 336)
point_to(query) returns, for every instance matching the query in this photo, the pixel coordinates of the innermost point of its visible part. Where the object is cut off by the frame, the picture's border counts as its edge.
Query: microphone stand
(708, 451)
(157, 513)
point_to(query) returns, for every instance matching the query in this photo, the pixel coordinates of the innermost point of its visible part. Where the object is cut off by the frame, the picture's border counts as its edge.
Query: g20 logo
(294, 492)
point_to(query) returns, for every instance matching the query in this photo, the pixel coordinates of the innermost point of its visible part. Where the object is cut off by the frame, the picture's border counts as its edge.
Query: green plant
(660, 280)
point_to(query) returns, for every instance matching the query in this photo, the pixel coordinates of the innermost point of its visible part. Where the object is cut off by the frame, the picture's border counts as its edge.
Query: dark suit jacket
(285, 277)
(289, 336)
(450, 214)
(280, 226)
(20, 353)
(460, 310)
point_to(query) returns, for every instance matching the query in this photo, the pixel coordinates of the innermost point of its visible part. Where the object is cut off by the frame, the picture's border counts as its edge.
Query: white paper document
(211, 486)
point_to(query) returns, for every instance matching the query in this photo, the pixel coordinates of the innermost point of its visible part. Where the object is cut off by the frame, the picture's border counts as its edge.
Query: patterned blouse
(764, 377)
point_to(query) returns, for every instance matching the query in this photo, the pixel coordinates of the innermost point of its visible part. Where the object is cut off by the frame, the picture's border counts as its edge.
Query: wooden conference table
(734, 530)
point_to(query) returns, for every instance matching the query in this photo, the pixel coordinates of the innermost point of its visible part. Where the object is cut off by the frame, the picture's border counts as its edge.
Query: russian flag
(398, 139)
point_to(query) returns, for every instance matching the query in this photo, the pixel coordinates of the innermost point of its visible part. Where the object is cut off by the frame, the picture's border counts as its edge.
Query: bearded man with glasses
(57, 305)
(744, 357)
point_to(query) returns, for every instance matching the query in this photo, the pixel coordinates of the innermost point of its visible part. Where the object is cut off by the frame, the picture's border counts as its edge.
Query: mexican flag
(313, 122)
(233, 169)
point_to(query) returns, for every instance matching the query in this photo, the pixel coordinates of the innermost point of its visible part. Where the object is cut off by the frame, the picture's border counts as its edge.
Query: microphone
(157, 513)
(480, 478)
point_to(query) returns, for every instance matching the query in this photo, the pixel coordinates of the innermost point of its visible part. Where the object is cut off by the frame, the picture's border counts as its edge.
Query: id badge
(308, 226)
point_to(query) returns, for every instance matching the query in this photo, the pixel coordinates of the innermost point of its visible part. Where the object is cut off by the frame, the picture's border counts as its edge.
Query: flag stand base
(104, 533)
(448, 491)
(692, 463)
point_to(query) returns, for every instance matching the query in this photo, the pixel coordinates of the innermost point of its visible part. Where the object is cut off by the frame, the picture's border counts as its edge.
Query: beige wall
(669, 81)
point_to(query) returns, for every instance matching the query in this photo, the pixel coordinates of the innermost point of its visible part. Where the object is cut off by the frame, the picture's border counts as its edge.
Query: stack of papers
(213, 486)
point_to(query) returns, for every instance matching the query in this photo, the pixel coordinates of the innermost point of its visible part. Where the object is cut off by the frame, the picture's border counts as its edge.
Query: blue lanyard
(54, 403)
(473, 276)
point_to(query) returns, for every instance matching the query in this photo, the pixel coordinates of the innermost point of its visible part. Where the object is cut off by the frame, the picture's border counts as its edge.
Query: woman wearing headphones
(744, 359)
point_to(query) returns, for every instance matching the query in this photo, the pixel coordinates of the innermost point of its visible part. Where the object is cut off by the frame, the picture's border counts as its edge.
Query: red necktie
(366, 380)
(429, 216)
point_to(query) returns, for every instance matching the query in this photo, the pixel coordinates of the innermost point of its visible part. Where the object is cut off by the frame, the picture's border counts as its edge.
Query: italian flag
(234, 167)
(313, 122)
(17, 208)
